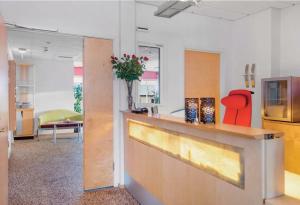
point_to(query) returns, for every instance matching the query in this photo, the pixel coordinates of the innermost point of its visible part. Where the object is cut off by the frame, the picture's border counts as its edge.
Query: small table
(63, 125)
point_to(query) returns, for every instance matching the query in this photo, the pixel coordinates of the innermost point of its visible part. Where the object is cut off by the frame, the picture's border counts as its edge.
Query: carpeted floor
(43, 173)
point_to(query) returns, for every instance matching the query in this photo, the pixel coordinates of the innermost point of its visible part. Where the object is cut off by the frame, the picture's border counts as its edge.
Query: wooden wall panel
(202, 76)
(3, 115)
(12, 95)
(291, 142)
(98, 113)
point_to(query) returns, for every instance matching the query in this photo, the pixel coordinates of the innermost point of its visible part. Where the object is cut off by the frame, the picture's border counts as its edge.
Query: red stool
(238, 108)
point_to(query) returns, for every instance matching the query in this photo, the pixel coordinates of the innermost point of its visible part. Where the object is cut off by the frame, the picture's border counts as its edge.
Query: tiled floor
(43, 173)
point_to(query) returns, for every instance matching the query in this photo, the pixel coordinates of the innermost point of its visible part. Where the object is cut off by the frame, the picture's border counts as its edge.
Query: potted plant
(78, 98)
(129, 68)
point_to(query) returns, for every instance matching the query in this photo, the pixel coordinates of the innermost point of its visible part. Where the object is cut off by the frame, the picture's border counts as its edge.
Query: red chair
(238, 108)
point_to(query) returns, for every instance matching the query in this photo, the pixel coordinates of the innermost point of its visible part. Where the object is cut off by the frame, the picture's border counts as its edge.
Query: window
(78, 75)
(77, 88)
(149, 86)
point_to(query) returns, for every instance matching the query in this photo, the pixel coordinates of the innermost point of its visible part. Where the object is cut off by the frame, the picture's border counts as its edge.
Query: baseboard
(98, 189)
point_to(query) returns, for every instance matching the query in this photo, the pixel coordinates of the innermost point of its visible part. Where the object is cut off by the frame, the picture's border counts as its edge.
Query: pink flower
(133, 56)
(146, 59)
(125, 55)
(112, 57)
(116, 58)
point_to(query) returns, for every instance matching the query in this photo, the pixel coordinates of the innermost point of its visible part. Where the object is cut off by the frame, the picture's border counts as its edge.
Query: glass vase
(129, 97)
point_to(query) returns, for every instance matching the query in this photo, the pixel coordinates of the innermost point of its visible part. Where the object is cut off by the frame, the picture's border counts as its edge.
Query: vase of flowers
(129, 68)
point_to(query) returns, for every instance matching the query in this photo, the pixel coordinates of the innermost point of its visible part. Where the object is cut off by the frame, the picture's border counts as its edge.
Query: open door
(98, 113)
(3, 115)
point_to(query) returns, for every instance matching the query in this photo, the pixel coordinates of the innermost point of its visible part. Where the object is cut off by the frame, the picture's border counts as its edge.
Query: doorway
(59, 81)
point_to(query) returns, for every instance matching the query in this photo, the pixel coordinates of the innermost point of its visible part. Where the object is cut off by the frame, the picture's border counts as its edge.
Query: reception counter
(169, 161)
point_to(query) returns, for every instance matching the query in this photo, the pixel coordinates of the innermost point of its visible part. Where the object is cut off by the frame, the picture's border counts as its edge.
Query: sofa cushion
(59, 115)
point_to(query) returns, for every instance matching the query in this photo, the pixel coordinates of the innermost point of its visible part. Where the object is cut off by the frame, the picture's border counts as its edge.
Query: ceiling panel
(281, 5)
(44, 45)
(243, 7)
(204, 10)
(229, 10)
(154, 3)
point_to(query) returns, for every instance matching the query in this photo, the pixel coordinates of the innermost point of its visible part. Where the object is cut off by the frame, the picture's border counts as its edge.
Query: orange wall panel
(202, 76)
(98, 113)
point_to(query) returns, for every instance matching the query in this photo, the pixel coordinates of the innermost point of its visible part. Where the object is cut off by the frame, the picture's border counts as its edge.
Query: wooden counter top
(247, 132)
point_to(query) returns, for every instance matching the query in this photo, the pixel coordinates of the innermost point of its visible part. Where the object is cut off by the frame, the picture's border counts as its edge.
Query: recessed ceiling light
(171, 8)
(22, 50)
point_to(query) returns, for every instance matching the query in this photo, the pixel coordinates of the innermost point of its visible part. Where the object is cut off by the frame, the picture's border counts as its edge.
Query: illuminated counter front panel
(170, 162)
(223, 161)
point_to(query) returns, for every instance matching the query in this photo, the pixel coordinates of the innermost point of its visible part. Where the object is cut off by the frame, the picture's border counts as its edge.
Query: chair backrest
(238, 108)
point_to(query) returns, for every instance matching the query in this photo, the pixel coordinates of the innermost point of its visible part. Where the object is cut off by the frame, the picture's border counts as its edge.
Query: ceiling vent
(65, 57)
(171, 8)
(142, 29)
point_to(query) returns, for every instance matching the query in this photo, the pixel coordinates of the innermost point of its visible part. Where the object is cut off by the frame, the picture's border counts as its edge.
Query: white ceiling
(45, 45)
(229, 10)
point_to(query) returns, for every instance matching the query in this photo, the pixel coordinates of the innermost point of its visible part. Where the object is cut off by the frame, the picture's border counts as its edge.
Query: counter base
(139, 193)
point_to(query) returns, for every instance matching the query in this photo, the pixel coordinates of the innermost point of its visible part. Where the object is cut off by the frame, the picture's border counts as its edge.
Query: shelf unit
(24, 90)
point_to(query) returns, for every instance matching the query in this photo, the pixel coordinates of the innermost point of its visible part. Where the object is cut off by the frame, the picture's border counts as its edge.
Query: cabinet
(280, 99)
(291, 142)
(24, 91)
(25, 121)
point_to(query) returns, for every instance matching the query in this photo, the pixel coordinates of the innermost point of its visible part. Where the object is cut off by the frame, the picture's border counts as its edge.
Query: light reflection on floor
(292, 185)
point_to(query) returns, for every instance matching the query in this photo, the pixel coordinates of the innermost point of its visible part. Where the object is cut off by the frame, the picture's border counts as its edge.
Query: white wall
(127, 45)
(290, 42)
(275, 42)
(254, 39)
(271, 40)
(250, 43)
(183, 31)
(53, 84)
